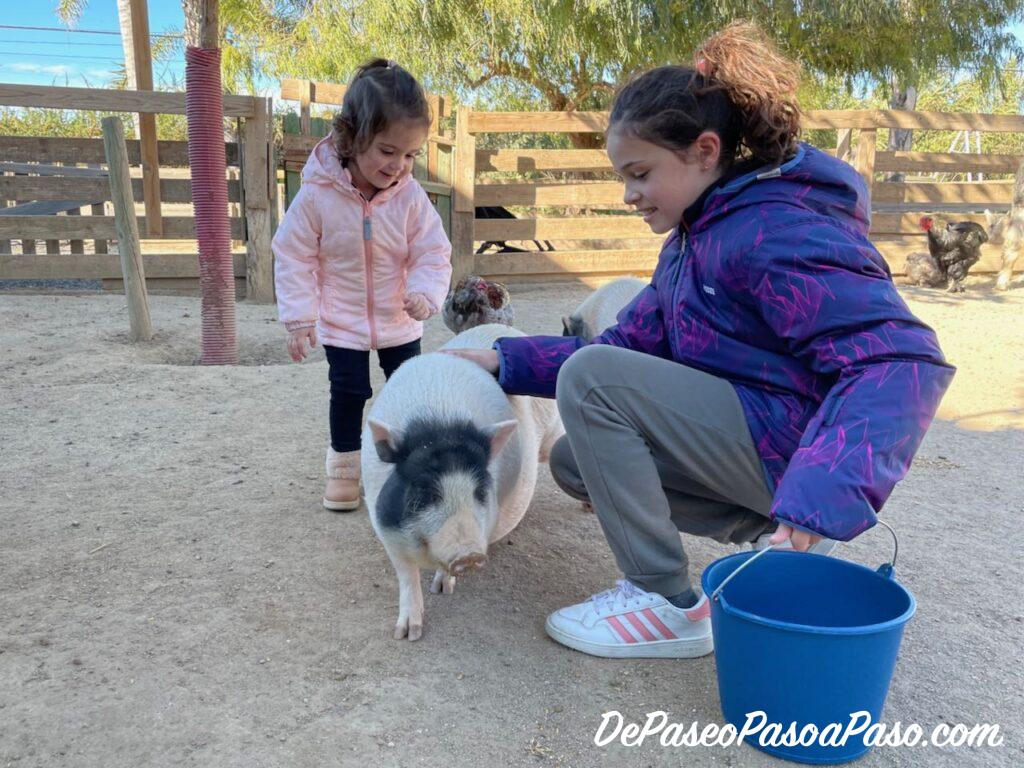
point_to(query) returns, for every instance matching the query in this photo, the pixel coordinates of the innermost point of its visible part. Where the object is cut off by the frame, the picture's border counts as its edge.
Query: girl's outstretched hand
(485, 358)
(297, 341)
(801, 540)
(416, 306)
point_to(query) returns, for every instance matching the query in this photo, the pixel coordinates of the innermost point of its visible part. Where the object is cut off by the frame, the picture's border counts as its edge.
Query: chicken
(475, 301)
(922, 270)
(956, 247)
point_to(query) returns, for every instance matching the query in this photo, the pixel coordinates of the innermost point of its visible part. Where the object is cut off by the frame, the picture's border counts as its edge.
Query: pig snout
(459, 546)
(460, 566)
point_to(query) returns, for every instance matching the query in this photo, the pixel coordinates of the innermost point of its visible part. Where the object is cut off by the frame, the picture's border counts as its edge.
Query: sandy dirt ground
(172, 593)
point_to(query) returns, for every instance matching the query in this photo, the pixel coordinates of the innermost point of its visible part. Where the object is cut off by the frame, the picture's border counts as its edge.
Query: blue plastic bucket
(808, 640)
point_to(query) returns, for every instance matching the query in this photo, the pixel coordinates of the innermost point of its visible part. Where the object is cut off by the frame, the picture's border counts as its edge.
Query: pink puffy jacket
(346, 264)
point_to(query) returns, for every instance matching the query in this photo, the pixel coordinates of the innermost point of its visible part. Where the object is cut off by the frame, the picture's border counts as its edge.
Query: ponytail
(760, 82)
(740, 87)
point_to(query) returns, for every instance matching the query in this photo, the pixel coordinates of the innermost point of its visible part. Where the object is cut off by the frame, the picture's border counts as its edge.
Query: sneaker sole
(652, 649)
(341, 506)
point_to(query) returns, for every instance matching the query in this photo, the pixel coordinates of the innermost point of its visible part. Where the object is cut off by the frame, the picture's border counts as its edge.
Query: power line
(77, 31)
(69, 43)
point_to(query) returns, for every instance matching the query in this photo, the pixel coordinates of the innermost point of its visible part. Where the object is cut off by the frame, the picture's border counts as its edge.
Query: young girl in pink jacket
(361, 257)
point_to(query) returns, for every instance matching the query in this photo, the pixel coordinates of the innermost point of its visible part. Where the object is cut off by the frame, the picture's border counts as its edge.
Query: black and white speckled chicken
(475, 301)
(956, 247)
(922, 270)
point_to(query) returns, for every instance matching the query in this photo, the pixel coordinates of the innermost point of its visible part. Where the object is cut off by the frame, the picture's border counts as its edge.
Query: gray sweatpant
(657, 448)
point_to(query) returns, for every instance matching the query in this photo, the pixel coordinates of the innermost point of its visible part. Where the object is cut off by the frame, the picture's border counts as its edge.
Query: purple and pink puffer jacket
(776, 288)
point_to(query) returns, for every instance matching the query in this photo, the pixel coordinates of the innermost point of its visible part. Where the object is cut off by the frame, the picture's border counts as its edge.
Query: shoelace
(619, 595)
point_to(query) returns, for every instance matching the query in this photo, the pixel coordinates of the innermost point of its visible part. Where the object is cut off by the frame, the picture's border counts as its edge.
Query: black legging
(349, 373)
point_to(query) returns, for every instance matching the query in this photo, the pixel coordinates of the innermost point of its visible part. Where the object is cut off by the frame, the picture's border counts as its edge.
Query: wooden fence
(616, 242)
(56, 190)
(570, 220)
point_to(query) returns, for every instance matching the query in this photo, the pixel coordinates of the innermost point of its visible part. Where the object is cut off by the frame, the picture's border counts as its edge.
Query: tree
(571, 54)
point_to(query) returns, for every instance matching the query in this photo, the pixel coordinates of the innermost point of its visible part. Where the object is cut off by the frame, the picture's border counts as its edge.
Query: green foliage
(946, 93)
(570, 54)
(564, 54)
(72, 123)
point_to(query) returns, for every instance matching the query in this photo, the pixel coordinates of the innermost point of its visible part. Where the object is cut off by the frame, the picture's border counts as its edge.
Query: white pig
(599, 310)
(454, 466)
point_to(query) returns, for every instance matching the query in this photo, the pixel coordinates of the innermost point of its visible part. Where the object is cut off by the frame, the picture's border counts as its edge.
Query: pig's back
(443, 387)
(482, 336)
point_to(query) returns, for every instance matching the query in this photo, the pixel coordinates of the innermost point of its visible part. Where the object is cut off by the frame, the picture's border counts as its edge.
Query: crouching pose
(769, 384)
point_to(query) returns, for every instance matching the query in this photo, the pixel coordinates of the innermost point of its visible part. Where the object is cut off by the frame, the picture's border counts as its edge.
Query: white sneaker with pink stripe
(627, 622)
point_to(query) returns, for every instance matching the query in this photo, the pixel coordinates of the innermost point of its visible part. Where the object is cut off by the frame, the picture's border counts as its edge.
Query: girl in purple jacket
(769, 385)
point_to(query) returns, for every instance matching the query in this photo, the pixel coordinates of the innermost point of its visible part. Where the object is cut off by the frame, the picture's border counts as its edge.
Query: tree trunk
(124, 17)
(904, 96)
(204, 111)
(201, 19)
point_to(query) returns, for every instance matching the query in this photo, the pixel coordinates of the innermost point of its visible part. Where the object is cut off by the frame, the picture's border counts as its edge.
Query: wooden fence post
(844, 139)
(147, 121)
(436, 106)
(305, 111)
(127, 229)
(256, 184)
(463, 178)
(5, 245)
(865, 164)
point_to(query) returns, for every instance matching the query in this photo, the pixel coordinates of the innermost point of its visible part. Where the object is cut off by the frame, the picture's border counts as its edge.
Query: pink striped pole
(204, 110)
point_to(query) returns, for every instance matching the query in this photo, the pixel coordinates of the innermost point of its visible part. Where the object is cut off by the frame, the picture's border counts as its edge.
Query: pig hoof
(467, 563)
(442, 583)
(408, 629)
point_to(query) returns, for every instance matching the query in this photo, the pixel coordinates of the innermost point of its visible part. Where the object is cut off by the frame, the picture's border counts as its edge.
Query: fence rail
(105, 100)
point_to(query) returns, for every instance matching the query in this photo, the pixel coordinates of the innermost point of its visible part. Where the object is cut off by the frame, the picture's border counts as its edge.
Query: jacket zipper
(368, 253)
(673, 329)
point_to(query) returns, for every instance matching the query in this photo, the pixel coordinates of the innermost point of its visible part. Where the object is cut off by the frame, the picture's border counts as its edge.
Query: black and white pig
(599, 310)
(454, 468)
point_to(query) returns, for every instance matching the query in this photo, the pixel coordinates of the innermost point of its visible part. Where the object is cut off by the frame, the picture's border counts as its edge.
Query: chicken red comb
(926, 223)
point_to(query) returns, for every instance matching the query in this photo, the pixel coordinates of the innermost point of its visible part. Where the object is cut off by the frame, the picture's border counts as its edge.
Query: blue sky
(77, 59)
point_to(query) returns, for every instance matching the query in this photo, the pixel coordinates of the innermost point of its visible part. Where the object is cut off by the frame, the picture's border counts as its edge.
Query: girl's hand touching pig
(485, 358)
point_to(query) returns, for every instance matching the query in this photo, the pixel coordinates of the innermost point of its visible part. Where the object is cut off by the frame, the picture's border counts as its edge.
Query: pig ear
(384, 440)
(499, 434)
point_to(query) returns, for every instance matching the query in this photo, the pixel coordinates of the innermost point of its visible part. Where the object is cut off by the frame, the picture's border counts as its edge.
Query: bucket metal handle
(886, 569)
(889, 569)
(731, 576)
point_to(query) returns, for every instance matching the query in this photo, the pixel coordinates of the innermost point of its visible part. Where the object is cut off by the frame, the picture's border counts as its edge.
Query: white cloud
(48, 69)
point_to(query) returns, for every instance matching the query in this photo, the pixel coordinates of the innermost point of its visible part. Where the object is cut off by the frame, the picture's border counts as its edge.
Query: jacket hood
(323, 167)
(811, 179)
